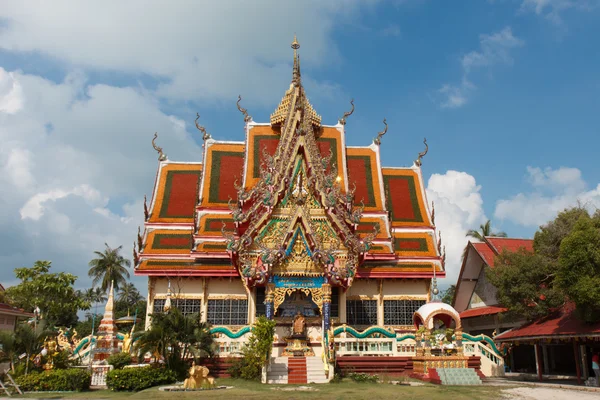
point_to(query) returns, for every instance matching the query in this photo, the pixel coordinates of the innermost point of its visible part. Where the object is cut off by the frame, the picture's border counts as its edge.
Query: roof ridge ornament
(296, 70)
(205, 135)
(342, 120)
(247, 118)
(422, 154)
(377, 140)
(159, 150)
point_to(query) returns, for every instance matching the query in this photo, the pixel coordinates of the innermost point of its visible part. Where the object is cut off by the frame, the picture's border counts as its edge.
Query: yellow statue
(126, 342)
(298, 325)
(198, 378)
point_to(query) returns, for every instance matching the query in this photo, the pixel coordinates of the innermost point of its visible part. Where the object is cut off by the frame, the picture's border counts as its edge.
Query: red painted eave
(476, 312)
(560, 323)
(187, 272)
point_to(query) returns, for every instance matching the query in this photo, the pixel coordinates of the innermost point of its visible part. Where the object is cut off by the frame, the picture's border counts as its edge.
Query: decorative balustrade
(368, 346)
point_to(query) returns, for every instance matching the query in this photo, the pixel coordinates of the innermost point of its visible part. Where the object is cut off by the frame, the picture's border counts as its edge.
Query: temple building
(290, 221)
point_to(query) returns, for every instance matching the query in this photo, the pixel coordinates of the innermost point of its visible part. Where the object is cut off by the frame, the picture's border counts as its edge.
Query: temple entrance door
(298, 302)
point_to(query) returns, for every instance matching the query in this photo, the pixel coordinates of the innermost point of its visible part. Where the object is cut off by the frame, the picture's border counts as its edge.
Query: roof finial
(296, 70)
(422, 154)
(205, 135)
(347, 113)
(159, 150)
(247, 118)
(377, 140)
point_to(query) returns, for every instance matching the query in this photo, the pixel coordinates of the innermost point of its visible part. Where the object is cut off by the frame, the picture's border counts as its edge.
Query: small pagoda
(107, 342)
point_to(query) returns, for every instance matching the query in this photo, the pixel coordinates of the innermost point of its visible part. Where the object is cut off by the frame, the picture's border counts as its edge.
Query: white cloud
(458, 208)
(11, 94)
(553, 190)
(494, 49)
(198, 50)
(75, 162)
(456, 95)
(552, 9)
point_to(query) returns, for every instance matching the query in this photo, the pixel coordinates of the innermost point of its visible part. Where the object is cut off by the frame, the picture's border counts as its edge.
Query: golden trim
(280, 293)
(179, 297)
(361, 297)
(404, 297)
(227, 297)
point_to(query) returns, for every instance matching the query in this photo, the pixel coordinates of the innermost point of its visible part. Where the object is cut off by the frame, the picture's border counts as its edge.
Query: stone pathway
(548, 393)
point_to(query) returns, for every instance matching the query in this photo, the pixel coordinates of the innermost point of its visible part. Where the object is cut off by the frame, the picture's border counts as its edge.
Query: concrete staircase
(296, 371)
(458, 376)
(314, 370)
(278, 371)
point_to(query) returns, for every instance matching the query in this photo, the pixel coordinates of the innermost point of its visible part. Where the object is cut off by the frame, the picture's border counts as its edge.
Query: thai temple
(291, 223)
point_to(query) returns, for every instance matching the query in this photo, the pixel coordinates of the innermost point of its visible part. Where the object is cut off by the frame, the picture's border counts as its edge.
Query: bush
(56, 380)
(256, 352)
(135, 379)
(363, 378)
(119, 360)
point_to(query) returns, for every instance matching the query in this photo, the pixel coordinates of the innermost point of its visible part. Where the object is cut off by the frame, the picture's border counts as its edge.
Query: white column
(342, 306)
(204, 304)
(380, 303)
(546, 363)
(149, 302)
(251, 305)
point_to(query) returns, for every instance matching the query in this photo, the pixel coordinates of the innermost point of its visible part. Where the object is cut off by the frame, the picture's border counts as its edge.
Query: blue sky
(507, 93)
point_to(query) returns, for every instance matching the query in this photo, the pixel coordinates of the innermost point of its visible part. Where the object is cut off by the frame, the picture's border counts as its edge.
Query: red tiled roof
(487, 310)
(486, 253)
(7, 309)
(562, 322)
(511, 244)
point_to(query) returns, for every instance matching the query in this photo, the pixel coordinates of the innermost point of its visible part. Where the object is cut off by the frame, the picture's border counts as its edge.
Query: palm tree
(485, 230)
(176, 337)
(94, 296)
(109, 266)
(129, 294)
(8, 351)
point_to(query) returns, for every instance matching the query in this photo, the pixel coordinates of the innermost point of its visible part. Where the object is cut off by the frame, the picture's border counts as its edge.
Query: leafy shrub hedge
(135, 379)
(363, 378)
(56, 380)
(119, 360)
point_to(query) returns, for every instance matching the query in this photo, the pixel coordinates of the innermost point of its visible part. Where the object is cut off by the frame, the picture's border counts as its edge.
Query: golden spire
(296, 70)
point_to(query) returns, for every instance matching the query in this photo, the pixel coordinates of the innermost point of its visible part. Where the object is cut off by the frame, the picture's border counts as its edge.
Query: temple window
(186, 306)
(361, 312)
(400, 312)
(159, 306)
(335, 302)
(227, 312)
(260, 301)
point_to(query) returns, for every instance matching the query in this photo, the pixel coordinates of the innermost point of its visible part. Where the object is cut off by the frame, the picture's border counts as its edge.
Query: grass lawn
(343, 391)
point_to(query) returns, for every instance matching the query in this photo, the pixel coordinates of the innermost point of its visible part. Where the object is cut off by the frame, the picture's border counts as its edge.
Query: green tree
(448, 294)
(525, 284)
(8, 348)
(94, 296)
(484, 230)
(564, 265)
(129, 294)
(53, 293)
(256, 351)
(176, 337)
(578, 272)
(109, 266)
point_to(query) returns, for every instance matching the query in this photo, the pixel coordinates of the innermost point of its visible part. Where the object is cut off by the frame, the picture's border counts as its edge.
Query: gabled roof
(560, 323)
(487, 251)
(499, 244)
(191, 202)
